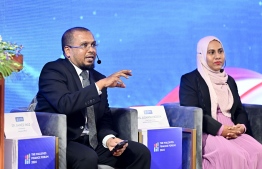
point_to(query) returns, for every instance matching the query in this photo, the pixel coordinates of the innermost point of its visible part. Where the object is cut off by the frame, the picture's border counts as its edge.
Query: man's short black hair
(67, 37)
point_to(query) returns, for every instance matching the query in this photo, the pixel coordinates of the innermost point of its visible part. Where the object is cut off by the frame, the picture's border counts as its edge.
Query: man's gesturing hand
(114, 80)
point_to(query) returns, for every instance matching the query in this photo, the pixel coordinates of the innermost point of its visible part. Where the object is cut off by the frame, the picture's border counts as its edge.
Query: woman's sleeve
(189, 96)
(187, 92)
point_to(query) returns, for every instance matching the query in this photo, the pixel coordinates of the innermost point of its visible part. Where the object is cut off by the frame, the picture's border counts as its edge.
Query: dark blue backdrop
(155, 39)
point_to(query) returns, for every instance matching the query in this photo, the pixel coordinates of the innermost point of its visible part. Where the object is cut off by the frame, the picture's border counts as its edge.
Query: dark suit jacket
(194, 92)
(60, 91)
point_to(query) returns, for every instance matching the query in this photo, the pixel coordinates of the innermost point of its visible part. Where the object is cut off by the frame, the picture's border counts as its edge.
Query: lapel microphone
(98, 61)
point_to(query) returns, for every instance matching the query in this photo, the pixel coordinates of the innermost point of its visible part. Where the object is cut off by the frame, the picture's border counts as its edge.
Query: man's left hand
(112, 142)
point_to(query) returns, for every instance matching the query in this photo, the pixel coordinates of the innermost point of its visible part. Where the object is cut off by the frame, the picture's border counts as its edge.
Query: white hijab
(220, 93)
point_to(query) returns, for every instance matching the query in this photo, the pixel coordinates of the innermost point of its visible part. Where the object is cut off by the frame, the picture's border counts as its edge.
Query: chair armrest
(53, 124)
(183, 116)
(125, 122)
(187, 117)
(254, 113)
(19, 109)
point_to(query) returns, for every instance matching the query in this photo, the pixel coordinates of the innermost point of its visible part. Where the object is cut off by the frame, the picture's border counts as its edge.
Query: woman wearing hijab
(226, 143)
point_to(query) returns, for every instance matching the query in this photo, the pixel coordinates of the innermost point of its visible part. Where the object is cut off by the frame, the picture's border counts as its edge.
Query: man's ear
(67, 51)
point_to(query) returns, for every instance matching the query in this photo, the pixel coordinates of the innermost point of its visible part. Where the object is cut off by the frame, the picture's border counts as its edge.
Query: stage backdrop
(155, 39)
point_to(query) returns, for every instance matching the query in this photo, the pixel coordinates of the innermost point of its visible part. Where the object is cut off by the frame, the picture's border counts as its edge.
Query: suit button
(81, 127)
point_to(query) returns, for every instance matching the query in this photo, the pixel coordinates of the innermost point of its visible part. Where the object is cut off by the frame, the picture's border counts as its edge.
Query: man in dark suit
(63, 89)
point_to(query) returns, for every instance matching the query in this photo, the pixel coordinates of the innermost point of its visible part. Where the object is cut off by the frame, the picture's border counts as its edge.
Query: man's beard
(87, 67)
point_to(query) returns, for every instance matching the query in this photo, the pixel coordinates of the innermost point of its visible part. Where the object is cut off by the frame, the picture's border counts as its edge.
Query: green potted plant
(11, 60)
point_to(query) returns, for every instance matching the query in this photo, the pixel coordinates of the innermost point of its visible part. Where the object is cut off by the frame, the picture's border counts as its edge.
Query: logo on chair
(156, 147)
(19, 119)
(148, 112)
(27, 159)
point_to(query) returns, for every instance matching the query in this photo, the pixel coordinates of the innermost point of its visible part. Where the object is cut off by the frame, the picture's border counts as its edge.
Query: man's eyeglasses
(85, 46)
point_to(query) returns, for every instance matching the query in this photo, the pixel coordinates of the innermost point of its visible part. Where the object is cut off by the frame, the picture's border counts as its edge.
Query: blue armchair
(52, 124)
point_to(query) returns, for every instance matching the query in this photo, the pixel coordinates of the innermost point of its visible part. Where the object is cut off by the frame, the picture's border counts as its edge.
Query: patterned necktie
(90, 114)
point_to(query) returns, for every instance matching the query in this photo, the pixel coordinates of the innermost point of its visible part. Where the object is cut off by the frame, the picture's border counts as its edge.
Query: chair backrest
(254, 113)
(32, 105)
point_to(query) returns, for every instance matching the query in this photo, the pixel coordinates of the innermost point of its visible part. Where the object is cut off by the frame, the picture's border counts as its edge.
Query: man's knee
(83, 160)
(90, 158)
(139, 149)
(145, 151)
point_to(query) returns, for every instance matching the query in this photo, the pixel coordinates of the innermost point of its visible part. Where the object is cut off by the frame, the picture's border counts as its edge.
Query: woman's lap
(242, 152)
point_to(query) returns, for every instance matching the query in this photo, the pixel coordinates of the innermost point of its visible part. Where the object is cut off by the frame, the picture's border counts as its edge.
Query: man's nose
(92, 49)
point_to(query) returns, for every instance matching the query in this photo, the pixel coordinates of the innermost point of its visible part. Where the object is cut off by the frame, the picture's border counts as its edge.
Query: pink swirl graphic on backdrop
(249, 85)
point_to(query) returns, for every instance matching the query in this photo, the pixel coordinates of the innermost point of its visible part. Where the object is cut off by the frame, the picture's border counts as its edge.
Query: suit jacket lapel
(93, 78)
(78, 84)
(204, 91)
(73, 72)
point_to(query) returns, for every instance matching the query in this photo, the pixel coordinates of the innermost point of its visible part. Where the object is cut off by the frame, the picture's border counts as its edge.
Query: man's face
(215, 55)
(82, 51)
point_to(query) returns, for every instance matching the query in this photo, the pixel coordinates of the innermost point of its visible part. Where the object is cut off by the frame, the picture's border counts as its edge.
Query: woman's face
(215, 55)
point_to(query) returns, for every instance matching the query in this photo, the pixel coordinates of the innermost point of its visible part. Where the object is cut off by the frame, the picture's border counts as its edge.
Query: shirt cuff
(98, 91)
(220, 130)
(106, 138)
